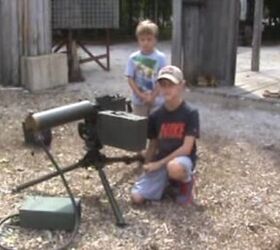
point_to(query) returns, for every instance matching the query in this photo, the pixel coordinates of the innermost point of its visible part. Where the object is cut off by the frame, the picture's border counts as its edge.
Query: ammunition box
(115, 103)
(49, 213)
(122, 130)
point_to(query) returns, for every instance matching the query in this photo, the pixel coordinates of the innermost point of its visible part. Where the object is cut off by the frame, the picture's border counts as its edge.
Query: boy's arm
(135, 88)
(155, 92)
(151, 150)
(185, 149)
(162, 63)
(152, 136)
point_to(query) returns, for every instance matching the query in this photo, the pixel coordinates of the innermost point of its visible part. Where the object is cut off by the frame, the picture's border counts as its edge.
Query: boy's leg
(180, 170)
(150, 186)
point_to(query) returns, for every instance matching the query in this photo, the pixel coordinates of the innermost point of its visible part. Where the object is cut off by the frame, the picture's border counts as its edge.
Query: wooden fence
(24, 31)
(205, 35)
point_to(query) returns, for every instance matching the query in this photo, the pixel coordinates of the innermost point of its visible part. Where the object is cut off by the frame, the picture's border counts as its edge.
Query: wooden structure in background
(9, 39)
(85, 14)
(205, 36)
(257, 35)
(24, 31)
(72, 44)
(69, 16)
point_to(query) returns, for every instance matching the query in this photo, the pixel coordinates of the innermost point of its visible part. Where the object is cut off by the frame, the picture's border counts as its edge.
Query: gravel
(237, 200)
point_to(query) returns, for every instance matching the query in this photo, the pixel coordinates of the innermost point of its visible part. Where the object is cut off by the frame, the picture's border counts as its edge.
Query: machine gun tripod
(93, 157)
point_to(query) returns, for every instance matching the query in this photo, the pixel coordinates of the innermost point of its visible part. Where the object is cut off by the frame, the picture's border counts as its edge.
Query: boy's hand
(147, 98)
(152, 166)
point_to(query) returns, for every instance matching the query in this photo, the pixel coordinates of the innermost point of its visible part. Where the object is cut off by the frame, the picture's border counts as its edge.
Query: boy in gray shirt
(142, 69)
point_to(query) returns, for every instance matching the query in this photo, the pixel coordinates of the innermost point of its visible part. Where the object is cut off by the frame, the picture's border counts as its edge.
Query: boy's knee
(176, 171)
(137, 198)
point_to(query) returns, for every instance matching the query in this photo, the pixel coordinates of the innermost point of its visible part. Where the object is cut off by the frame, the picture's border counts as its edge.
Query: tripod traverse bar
(46, 177)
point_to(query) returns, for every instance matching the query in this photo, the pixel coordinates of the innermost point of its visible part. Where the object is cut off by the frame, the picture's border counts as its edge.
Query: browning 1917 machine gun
(100, 127)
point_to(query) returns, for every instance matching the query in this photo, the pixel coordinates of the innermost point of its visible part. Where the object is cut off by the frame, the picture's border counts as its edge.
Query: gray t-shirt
(143, 69)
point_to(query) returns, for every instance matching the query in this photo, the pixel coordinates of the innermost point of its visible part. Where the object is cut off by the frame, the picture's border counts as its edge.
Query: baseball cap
(172, 73)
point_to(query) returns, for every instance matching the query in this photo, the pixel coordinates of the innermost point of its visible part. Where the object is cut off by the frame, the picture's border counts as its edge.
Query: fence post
(24, 31)
(257, 35)
(176, 51)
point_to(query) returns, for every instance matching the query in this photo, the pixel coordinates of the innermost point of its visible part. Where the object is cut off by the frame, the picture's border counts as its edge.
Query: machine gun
(100, 127)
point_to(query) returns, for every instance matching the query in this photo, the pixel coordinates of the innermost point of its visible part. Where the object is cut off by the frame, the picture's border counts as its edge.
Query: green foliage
(133, 11)
(273, 8)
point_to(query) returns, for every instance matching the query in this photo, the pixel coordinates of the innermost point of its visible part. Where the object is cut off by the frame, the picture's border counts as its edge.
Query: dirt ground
(237, 202)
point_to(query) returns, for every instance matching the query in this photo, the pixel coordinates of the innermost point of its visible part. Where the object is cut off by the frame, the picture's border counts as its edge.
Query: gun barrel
(60, 115)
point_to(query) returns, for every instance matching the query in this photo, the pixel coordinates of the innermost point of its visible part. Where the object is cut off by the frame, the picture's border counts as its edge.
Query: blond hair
(146, 27)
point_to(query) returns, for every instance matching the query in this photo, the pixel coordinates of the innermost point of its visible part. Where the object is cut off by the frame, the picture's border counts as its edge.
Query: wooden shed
(85, 14)
(26, 28)
(205, 35)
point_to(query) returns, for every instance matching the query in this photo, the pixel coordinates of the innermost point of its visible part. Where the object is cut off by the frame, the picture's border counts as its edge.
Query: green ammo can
(52, 213)
(122, 130)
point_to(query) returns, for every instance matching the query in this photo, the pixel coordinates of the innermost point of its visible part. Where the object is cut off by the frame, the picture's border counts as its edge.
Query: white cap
(172, 73)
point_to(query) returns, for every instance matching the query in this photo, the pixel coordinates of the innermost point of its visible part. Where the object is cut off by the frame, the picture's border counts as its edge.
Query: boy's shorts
(152, 185)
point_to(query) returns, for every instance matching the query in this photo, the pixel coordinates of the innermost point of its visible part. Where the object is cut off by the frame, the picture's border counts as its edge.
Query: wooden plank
(44, 32)
(33, 28)
(232, 42)
(191, 53)
(40, 27)
(239, 91)
(252, 87)
(36, 27)
(9, 43)
(48, 29)
(176, 55)
(5, 62)
(20, 25)
(22, 37)
(15, 63)
(13, 44)
(211, 43)
(257, 35)
(75, 74)
(258, 93)
(1, 47)
(219, 48)
(24, 30)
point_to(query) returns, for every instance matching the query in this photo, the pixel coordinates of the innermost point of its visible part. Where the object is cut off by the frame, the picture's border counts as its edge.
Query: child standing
(142, 69)
(171, 152)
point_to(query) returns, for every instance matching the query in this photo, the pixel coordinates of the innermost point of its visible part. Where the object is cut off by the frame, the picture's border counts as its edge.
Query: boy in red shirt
(171, 153)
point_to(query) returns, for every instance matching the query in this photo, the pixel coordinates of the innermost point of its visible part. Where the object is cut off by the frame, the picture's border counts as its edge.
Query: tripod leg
(45, 177)
(112, 200)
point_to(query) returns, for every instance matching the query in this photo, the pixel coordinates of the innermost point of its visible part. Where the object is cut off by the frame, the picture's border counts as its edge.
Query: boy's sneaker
(185, 194)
